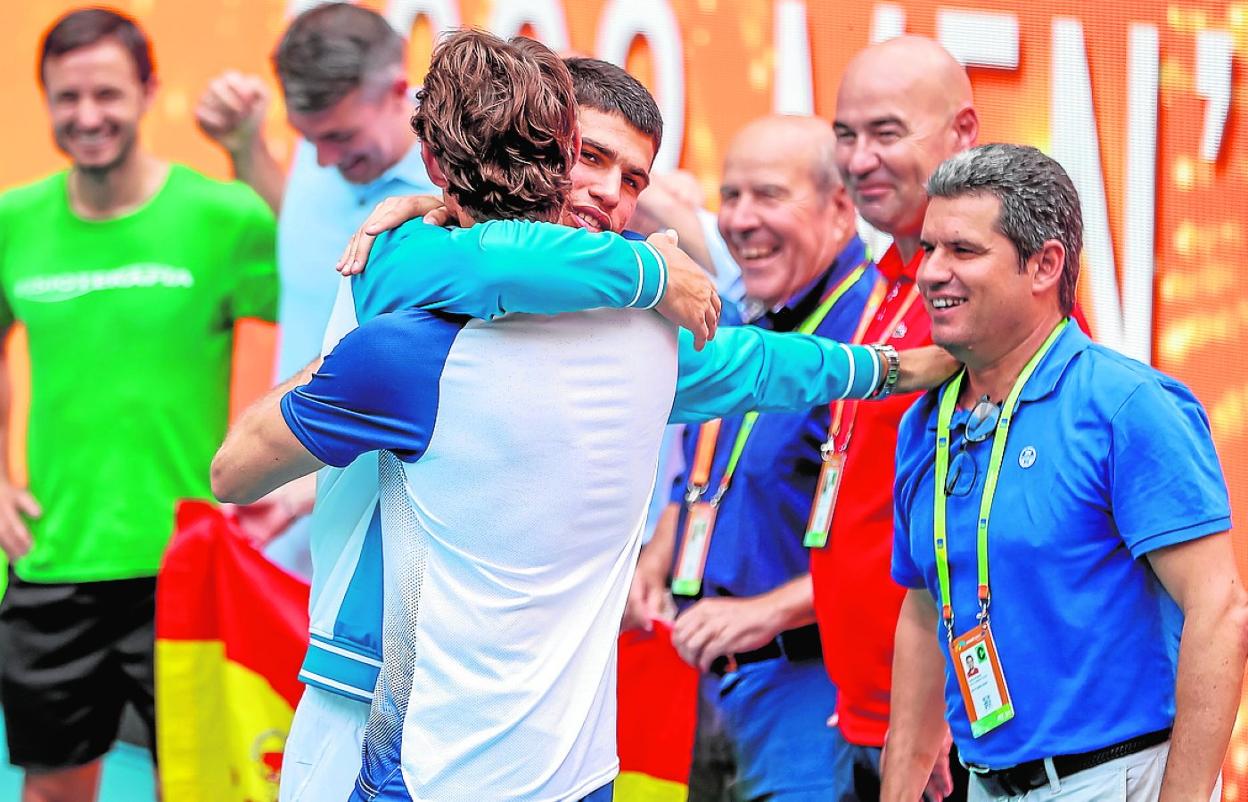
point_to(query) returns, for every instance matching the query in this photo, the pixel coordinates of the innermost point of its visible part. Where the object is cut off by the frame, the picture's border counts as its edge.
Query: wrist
(247, 151)
(890, 371)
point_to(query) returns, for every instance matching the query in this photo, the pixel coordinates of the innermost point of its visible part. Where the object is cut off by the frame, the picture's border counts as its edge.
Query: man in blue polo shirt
(742, 581)
(1061, 524)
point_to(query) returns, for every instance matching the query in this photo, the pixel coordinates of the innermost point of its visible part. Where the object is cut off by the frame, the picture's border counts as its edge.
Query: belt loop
(1055, 782)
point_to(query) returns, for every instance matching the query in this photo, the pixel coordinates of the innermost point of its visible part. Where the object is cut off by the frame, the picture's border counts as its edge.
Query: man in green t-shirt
(129, 274)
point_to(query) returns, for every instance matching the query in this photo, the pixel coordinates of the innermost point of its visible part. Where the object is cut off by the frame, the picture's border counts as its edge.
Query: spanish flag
(231, 630)
(658, 700)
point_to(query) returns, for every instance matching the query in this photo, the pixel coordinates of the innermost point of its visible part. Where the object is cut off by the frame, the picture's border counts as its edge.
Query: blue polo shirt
(1107, 460)
(756, 545)
(320, 212)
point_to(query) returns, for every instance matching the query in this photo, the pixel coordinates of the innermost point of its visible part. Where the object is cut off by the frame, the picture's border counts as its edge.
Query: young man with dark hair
(345, 628)
(129, 274)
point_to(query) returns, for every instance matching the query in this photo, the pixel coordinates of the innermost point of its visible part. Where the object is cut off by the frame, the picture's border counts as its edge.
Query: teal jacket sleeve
(747, 368)
(503, 266)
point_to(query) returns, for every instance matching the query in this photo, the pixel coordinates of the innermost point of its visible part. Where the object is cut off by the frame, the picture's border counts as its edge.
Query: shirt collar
(1069, 344)
(893, 268)
(789, 315)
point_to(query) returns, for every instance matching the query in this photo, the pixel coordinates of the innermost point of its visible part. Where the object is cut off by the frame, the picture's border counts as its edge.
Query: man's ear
(150, 88)
(398, 88)
(966, 127)
(1050, 264)
(432, 167)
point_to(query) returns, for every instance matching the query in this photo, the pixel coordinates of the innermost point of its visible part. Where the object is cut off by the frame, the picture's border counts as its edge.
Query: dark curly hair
(500, 119)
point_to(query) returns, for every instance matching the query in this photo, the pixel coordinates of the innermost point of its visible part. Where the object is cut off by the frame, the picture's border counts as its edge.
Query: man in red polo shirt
(903, 107)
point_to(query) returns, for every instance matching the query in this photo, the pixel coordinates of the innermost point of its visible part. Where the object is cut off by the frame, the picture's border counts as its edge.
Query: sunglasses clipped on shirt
(981, 424)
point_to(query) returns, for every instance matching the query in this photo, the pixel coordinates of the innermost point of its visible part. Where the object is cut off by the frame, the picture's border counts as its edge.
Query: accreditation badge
(829, 485)
(984, 694)
(699, 524)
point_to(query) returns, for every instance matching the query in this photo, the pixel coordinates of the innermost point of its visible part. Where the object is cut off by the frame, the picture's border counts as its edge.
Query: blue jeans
(774, 715)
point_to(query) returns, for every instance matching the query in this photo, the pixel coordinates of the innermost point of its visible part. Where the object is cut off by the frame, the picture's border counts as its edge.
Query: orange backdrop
(1196, 212)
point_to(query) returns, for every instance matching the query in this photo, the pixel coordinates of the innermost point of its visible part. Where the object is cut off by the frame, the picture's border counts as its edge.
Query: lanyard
(708, 433)
(838, 409)
(943, 418)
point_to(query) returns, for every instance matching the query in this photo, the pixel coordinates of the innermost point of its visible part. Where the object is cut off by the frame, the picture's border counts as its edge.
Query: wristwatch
(891, 376)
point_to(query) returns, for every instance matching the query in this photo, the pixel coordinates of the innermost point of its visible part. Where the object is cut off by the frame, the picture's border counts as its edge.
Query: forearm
(506, 266)
(255, 166)
(1212, 653)
(746, 368)
(656, 556)
(792, 604)
(916, 710)
(253, 460)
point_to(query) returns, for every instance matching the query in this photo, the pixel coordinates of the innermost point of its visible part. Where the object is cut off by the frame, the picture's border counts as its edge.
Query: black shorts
(71, 657)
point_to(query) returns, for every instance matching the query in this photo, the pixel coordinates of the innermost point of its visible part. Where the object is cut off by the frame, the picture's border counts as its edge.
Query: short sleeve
(904, 570)
(1166, 483)
(253, 265)
(376, 390)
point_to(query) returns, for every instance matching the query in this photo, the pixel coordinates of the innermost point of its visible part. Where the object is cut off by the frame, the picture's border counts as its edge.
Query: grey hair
(333, 49)
(1038, 201)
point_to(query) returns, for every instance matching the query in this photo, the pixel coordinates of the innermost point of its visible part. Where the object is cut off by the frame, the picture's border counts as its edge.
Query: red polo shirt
(856, 600)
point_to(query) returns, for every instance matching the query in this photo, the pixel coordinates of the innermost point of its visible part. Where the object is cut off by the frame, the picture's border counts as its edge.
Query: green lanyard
(947, 402)
(808, 326)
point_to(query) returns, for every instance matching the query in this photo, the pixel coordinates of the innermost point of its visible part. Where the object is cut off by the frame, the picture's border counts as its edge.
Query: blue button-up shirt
(756, 545)
(320, 212)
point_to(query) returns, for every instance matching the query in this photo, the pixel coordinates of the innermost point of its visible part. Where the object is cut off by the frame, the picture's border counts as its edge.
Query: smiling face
(783, 226)
(361, 135)
(902, 108)
(612, 170)
(96, 101)
(976, 295)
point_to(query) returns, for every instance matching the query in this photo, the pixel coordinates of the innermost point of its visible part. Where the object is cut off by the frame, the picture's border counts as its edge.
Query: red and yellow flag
(231, 630)
(658, 704)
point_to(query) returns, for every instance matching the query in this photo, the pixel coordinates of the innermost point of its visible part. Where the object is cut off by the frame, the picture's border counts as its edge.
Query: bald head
(783, 211)
(781, 137)
(913, 67)
(903, 107)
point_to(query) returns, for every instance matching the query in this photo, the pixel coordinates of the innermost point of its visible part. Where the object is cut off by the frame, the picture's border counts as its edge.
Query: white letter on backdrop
(794, 91)
(1140, 205)
(1126, 327)
(443, 15)
(546, 17)
(1213, 83)
(624, 20)
(888, 21)
(979, 38)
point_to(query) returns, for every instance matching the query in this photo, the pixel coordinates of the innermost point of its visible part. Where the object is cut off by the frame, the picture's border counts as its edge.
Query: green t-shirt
(130, 323)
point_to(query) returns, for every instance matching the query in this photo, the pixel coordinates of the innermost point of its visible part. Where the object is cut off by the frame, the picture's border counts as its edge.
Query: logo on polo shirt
(68, 286)
(1027, 457)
